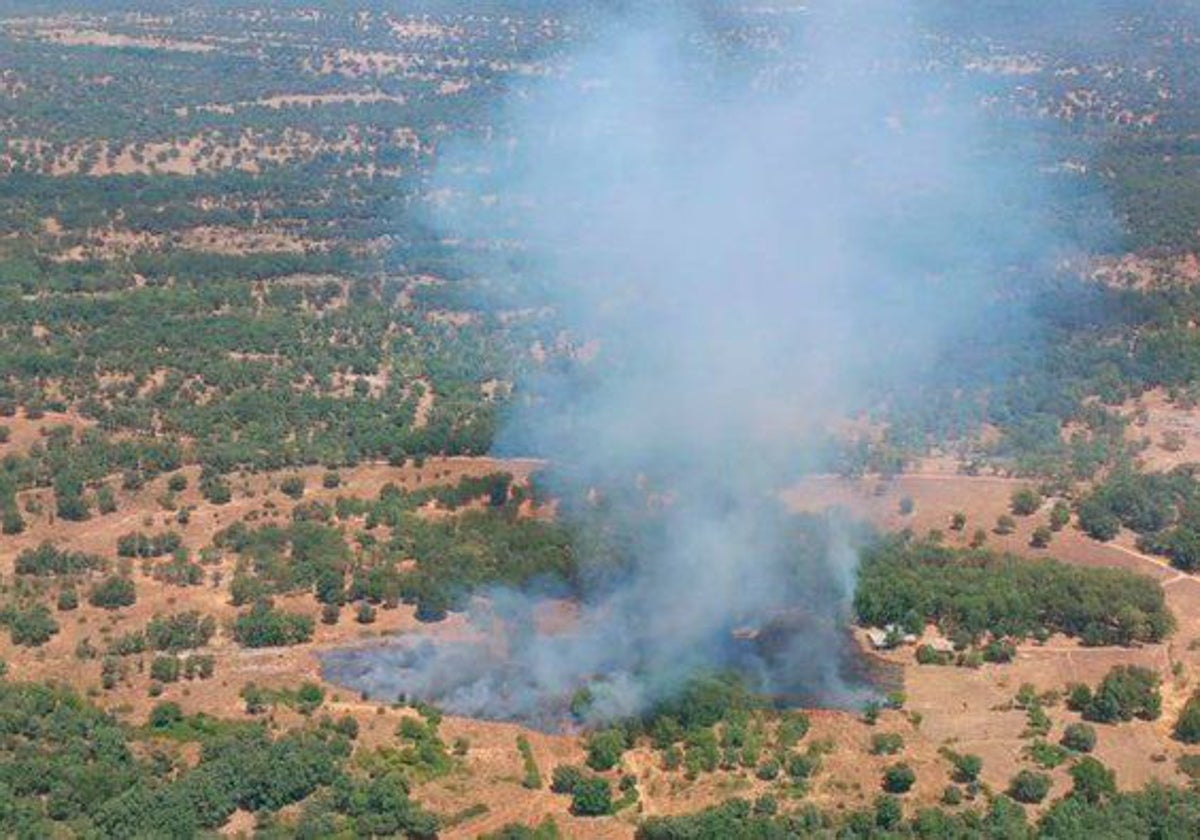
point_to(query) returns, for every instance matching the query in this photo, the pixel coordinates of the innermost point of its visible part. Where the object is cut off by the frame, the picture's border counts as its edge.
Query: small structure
(940, 644)
(889, 637)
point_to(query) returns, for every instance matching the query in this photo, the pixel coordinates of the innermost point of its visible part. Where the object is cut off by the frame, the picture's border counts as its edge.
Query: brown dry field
(1170, 431)
(966, 710)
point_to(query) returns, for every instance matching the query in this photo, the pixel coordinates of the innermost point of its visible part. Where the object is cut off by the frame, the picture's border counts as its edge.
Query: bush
(1060, 515)
(605, 748)
(928, 655)
(292, 486)
(31, 627)
(592, 797)
(532, 779)
(165, 715)
(1093, 781)
(1187, 727)
(1126, 692)
(886, 743)
(967, 767)
(1000, 650)
(165, 669)
(264, 626)
(889, 813)
(899, 778)
(1079, 737)
(309, 698)
(768, 771)
(68, 599)
(565, 778)
(113, 593)
(802, 765)
(1098, 522)
(46, 561)
(11, 522)
(1025, 502)
(181, 631)
(1029, 787)
(1041, 537)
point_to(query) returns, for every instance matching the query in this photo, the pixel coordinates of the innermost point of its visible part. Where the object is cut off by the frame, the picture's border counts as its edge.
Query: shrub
(532, 779)
(181, 631)
(889, 813)
(1126, 692)
(68, 599)
(46, 560)
(292, 486)
(1093, 781)
(1025, 502)
(928, 655)
(899, 778)
(264, 626)
(31, 627)
(605, 748)
(768, 771)
(967, 767)
(1041, 536)
(309, 698)
(565, 778)
(1000, 650)
(113, 593)
(1060, 515)
(165, 715)
(1029, 787)
(1079, 737)
(592, 797)
(1098, 522)
(165, 669)
(1187, 727)
(886, 743)
(802, 765)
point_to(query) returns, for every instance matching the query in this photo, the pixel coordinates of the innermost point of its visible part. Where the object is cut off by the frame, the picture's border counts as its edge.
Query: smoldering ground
(763, 223)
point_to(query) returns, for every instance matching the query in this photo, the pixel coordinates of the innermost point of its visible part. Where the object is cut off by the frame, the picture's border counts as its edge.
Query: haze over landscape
(574, 419)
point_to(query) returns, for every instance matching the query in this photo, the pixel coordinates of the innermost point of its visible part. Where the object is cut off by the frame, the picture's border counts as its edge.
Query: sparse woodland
(247, 391)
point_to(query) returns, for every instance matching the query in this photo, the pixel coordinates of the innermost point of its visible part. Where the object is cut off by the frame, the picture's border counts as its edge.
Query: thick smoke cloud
(749, 228)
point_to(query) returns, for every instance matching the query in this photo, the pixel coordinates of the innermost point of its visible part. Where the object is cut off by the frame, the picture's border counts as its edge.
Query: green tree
(605, 748)
(592, 797)
(1079, 737)
(1092, 780)
(1187, 727)
(899, 778)
(1025, 501)
(1029, 787)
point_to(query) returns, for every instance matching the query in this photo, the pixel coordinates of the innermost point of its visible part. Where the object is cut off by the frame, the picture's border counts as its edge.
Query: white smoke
(756, 239)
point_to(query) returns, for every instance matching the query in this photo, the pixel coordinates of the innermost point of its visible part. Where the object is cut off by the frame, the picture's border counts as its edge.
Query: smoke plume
(750, 224)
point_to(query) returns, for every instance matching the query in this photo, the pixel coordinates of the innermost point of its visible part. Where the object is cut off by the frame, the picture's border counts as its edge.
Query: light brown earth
(963, 709)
